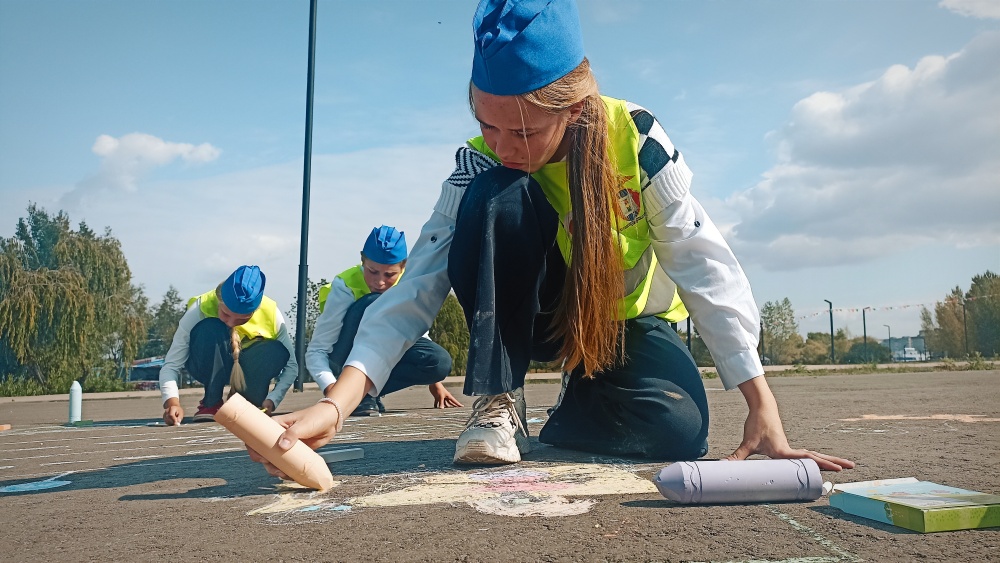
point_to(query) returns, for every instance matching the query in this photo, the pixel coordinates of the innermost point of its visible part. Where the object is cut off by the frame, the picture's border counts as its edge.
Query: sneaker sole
(478, 452)
(203, 418)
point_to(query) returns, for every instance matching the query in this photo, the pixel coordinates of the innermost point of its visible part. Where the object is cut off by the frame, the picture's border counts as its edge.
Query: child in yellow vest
(342, 304)
(231, 335)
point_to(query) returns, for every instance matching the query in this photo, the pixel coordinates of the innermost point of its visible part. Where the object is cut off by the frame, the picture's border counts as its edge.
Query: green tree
(929, 332)
(858, 353)
(780, 340)
(815, 349)
(162, 322)
(450, 331)
(68, 310)
(950, 334)
(983, 310)
(312, 309)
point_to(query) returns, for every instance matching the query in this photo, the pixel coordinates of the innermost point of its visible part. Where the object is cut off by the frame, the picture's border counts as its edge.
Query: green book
(916, 505)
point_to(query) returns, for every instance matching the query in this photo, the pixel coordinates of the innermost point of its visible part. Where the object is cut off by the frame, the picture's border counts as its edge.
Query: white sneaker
(495, 433)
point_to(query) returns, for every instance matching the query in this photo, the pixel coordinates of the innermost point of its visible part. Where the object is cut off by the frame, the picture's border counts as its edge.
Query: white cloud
(126, 160)
(974, 8)
(191, 234)
(881, 167)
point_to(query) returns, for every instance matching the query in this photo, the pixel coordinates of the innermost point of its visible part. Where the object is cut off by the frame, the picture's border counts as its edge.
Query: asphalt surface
(121, 490)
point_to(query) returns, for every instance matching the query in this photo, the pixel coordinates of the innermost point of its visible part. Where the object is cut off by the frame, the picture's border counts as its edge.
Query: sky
(847, 149)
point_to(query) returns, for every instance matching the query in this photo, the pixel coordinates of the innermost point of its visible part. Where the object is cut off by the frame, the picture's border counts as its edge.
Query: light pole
(890, 341)
(965, 329)
(300, 317)
(832, 358)
(864, 327)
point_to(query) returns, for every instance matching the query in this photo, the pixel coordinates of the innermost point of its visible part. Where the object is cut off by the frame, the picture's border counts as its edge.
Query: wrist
(340, 412)
(758, 394)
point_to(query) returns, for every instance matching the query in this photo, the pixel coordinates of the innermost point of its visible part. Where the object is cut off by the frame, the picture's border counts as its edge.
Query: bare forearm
(349, 389)
(758, 395)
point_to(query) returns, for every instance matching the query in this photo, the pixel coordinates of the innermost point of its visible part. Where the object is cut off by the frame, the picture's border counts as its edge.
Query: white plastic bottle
(752, 480)
(75, 402)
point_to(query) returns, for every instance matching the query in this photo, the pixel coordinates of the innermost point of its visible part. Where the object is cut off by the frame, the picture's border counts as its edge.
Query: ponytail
(587, 316)
(236, 380)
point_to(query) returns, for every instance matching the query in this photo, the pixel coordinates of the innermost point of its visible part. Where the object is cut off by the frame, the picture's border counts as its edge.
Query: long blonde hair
(586, 318)
(237, 381)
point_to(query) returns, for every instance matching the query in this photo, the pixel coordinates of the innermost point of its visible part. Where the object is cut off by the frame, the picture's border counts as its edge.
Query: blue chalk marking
(50, 483)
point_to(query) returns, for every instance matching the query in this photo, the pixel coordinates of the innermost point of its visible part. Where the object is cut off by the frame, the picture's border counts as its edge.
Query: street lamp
(832, 359)
(965, 329)
(864, 327)
(890, 341)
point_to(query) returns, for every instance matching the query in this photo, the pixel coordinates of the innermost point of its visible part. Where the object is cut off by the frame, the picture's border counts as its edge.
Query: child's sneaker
(495, 433)
(206, 414)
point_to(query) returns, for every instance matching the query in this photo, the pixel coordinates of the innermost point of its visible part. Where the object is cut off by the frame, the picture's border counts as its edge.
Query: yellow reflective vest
(354, 279)
(262, 324)
(648, 290)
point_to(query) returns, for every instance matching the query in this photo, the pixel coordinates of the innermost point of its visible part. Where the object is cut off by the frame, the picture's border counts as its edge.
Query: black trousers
(424, 363)
(210, 361)
(508, 273)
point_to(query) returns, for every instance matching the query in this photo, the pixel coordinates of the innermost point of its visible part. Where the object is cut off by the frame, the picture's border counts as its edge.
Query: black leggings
(508, 273)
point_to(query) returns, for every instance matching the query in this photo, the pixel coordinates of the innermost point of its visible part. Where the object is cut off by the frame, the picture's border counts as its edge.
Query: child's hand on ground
(442, 398)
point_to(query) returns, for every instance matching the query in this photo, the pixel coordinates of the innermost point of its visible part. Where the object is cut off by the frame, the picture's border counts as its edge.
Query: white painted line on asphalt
(61, 462)
(842, 555)
(39, 448)
(230, 441)
(217, 450)
(792, 560)
(163, 434)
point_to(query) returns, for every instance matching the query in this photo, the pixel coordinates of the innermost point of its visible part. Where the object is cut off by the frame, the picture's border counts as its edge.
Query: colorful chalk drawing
(970, 418)
(296, 504)
(535, 490)
(50, 483)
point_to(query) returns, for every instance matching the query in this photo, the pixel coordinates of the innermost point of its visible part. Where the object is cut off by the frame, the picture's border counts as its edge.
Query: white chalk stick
(343, 454)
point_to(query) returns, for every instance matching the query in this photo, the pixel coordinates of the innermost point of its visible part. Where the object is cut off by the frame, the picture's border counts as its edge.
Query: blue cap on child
(522, 45)
(385, 245)
(243, 290)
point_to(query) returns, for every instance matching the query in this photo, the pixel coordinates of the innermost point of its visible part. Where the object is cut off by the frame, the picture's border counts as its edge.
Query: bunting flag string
(892, 307)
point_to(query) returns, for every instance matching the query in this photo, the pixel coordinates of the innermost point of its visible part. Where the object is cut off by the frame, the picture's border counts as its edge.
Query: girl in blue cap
(231, 335)
(569, 232)
(343, 302)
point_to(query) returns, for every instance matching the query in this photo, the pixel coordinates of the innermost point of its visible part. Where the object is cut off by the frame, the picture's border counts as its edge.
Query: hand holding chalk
(261, 434)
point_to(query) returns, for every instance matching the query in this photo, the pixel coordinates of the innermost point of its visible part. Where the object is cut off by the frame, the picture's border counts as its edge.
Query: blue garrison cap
(243, 290)
(385, 245)
(522, 45)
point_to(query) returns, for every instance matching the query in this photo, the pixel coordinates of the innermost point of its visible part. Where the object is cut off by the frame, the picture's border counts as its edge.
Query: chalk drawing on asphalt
(529, 490)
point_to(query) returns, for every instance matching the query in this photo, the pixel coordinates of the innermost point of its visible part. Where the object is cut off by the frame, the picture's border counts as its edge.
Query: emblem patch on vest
(629, 207)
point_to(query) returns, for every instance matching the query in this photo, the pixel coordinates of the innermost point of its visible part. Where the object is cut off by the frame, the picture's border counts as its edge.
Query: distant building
(146, 369)
(907, 349)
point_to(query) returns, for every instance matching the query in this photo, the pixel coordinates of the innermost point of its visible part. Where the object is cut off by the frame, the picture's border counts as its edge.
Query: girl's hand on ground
(173, 415)
(442, 398)
(763, 434)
